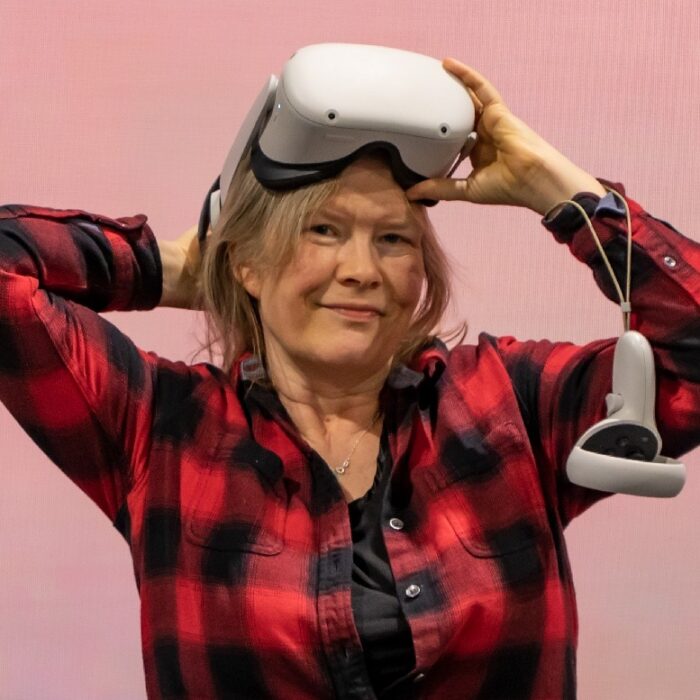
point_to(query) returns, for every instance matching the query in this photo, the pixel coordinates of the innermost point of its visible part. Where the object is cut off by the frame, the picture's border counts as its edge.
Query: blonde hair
(261, 228)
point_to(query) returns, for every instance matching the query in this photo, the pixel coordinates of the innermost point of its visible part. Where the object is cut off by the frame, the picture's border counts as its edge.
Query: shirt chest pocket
(486, 489)
(238, 502)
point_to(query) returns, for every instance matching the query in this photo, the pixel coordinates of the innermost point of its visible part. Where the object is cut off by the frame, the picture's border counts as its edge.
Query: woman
(348, 508)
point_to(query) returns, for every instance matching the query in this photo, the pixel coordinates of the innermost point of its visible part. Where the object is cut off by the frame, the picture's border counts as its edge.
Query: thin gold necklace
(346, 462)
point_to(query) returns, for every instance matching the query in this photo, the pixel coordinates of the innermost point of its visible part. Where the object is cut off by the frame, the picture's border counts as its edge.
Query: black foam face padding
(280, 176)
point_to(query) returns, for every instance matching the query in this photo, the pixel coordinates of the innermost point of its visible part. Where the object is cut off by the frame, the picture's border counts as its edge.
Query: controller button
(614, 402)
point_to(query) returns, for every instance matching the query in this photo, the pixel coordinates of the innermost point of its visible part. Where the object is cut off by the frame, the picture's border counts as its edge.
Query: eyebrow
(392, 221)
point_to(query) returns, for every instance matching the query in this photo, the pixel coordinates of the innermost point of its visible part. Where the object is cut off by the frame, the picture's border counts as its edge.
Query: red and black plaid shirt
(240, 537)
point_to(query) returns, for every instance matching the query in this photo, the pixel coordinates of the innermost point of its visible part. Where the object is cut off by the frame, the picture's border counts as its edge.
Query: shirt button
(669, 261)
(396, 524)
(413, 591)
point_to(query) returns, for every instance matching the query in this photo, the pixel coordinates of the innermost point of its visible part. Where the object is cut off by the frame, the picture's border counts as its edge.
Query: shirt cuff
(568, 219)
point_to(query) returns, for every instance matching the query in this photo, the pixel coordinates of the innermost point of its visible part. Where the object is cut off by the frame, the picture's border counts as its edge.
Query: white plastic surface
(662, 478)
(375, 85)
(251, 125)
(634, 379)
(374, 93)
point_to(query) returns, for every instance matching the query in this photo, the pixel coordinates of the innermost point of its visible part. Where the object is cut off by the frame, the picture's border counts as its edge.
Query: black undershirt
(384, 632)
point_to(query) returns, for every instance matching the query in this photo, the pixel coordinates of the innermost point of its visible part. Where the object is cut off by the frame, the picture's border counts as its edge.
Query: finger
(482, 88)
(478, 106)
(438, 188)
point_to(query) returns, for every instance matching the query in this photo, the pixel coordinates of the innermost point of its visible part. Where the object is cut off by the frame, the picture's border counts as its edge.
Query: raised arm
(560, 387)
(79, 387)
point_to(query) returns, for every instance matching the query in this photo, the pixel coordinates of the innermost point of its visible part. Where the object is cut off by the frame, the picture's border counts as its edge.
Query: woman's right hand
(181, 266)
(511, 163)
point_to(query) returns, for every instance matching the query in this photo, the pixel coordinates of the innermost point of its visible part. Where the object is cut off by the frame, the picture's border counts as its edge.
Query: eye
(321, 229)
(395, 238)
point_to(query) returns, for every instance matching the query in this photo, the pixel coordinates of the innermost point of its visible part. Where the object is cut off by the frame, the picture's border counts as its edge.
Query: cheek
(309, 269)
(284, 293)
(409, 282)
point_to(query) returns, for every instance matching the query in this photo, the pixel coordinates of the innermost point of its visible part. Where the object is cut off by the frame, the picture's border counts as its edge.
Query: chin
(358, 358)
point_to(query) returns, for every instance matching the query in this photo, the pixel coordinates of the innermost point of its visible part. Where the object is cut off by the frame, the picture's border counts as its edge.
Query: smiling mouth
(357, 314)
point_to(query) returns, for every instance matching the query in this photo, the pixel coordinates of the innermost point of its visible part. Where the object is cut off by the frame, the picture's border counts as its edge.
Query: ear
(249, 280)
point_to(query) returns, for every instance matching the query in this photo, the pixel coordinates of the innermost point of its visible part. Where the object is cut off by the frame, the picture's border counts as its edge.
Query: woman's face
(345, 301)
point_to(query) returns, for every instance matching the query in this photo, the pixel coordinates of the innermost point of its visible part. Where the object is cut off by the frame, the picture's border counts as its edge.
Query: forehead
(367, 187)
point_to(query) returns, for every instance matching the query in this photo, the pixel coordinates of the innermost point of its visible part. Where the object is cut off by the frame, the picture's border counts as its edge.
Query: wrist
(173, 261)
(560, 181)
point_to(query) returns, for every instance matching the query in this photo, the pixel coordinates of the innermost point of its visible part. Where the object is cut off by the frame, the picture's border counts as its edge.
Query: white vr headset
(334, 102)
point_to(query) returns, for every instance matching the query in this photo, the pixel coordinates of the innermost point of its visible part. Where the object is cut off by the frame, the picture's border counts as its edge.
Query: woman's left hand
(181, 263)
(511, 163)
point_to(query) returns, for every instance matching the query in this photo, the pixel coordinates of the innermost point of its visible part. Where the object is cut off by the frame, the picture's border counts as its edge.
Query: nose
(358, 263)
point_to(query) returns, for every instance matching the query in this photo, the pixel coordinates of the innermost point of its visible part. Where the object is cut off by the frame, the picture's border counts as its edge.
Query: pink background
(127, 107)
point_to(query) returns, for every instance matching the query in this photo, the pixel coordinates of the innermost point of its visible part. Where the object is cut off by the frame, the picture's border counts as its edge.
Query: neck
(322, 404)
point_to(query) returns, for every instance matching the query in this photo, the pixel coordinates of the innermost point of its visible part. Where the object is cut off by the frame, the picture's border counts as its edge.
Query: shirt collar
(426, 366)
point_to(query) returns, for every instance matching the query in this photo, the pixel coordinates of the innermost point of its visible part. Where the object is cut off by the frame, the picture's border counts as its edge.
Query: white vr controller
(621, 453)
